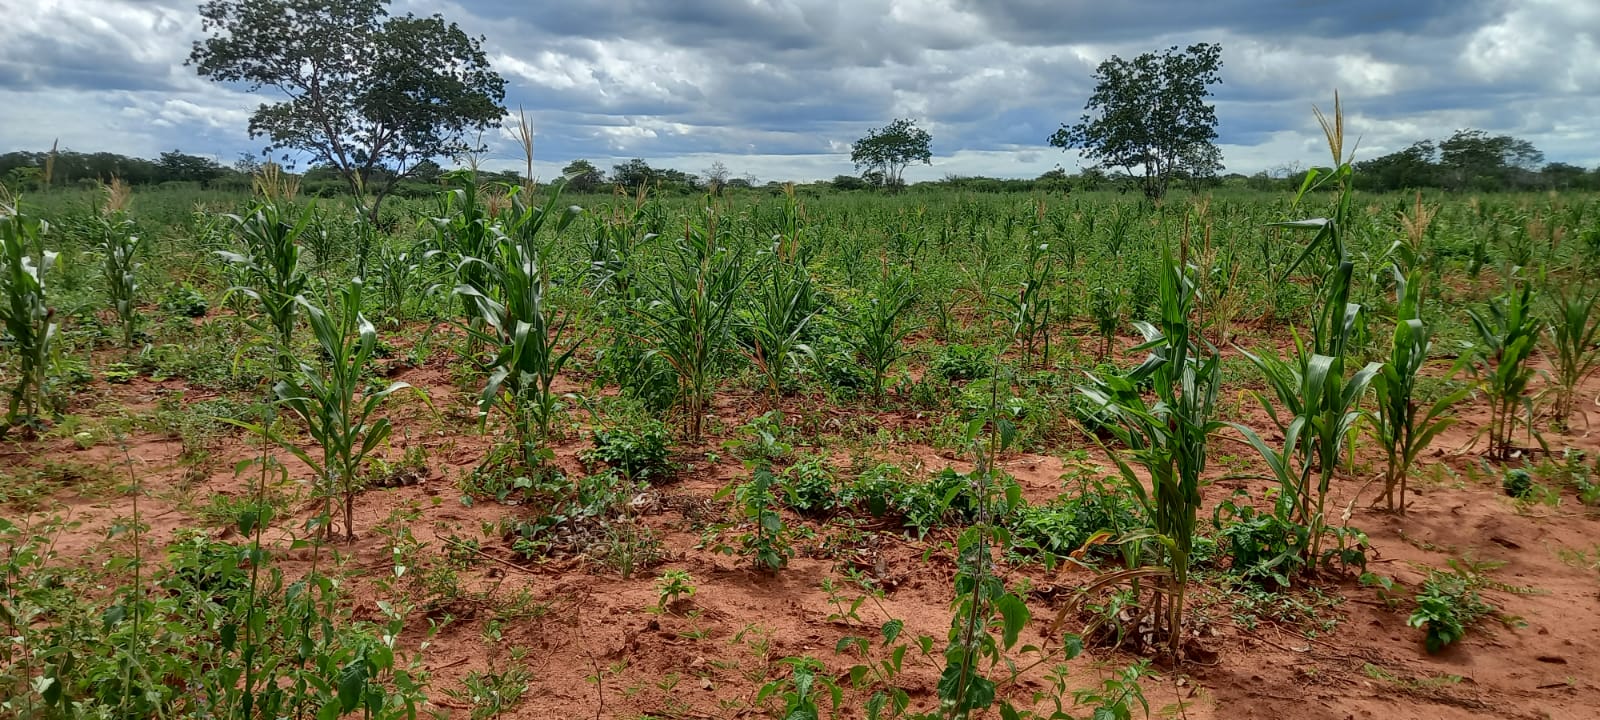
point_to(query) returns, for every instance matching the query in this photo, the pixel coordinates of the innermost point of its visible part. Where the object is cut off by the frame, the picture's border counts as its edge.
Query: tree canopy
(364, 91)
(885, 152)
(1470, 160)
(586, 178)
(1149, 117)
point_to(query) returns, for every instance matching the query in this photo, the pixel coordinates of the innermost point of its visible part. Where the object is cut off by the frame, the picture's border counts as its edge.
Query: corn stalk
(25, 312)
(525, 331)
(119, 250)
(337, 406)
(692, 314)
(1401, 424)
(267, 269)
(1168, 438)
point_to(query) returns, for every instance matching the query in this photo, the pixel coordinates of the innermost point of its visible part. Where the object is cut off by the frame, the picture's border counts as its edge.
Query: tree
(634, 174)
(1413, 167)
(586, 178)
(717, 176)
(1476, 159)
(247, 164)
(428, 172)
(1150, 115)
(677, 181)
(887, 151)
(365, 91)
(1562, 176)
(176, 166)
(848, 182)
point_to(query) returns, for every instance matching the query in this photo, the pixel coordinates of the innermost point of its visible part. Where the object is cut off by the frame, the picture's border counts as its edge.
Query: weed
(491, 693)
(673, 586)
(640, 450)
(801, 690)
(1449, 602)
(766, 540)
(962, 363)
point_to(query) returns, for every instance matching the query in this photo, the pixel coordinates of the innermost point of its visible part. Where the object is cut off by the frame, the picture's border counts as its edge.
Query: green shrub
(960, 363)
(640, 450)
(947, 498)
(1450, 603)
(809, 488)
(1063, 526)
(1517, 483)
(1263, 547)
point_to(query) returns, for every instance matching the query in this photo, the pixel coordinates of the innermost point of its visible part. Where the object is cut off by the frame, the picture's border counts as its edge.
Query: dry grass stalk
(272, 183)
(1415, 223)
(50, 163)
(523, 134)
(118, 196)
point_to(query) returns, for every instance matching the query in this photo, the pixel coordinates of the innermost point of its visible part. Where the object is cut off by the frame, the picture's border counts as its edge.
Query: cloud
(780, 88)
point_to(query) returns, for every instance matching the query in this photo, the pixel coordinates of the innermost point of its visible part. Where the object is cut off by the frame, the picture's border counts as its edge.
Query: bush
(808, 487)
(638, 374)
(640, 450)
(1517, 483)
(1264, 547)
(1064, 525)
(974, 400)
(962, 363)
(948, 498)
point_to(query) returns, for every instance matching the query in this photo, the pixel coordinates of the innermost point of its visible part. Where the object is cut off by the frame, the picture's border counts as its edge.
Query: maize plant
(28, 319)
(401, 276)
(525, 331)
(692, 315)
(464, 228)
(119, 251)
(267, 269)
(1105, 304)
(612, 249)
(882, 328)
(1401, 425)
(784, 306)
(1508, 332)
(1033, 304)
(1168, 437)
(338, 409)
(1320, 405)
(1574, 341)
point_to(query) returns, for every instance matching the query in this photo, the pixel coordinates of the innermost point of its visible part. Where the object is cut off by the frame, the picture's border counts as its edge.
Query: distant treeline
(30, 171)
(1470, 160)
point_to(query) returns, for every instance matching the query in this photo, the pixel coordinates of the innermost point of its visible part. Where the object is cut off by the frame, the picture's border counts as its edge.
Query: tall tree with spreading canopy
(1149, 116)
(1474, 159)
(885, 152)
(584, 177)
(369, 94)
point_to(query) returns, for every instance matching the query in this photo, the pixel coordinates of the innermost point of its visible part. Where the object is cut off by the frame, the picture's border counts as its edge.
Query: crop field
(513, 452)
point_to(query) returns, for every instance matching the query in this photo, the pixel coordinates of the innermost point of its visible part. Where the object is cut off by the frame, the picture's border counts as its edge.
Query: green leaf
(891, 630)
(352, 682)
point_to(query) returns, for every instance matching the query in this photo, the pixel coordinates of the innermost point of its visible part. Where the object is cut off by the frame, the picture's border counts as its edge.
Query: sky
(778, 89)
